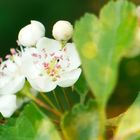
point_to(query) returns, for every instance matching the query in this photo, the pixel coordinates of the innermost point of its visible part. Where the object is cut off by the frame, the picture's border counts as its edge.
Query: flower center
(53, 68)
(50, 63)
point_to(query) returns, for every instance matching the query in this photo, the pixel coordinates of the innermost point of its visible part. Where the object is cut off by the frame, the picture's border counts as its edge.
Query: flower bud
(62, 30)
(30, 34)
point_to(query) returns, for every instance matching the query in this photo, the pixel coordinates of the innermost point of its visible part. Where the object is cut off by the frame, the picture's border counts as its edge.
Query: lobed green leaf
(129, 126)
(82, 123)
(32, 124)
(102, 42)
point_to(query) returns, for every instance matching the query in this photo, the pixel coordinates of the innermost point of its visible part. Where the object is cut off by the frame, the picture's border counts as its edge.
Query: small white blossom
(62, 30)
(48, 65)
(11, 81)
(11, 78)
(30, 34)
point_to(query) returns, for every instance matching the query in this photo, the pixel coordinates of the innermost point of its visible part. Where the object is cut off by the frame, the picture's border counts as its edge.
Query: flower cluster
(46, 63)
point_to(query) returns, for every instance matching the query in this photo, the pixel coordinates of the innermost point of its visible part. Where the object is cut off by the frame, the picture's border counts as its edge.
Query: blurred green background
(15, 14)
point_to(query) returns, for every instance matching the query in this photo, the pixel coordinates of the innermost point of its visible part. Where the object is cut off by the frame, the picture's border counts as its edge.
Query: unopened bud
(62, 30)
(30, 34)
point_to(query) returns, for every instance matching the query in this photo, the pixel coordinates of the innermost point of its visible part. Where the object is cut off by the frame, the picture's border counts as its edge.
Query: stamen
(57, 76)
(58, 66)
(34, 55)
(65, 49)
(46, 65)
(13, 51)
(56, 57)
(1, 60)
(52, 54)
(8, 56)
(45, 55)
(61, 57)
(4, 66)
(54, 79)
(43, 50)
(39, 56)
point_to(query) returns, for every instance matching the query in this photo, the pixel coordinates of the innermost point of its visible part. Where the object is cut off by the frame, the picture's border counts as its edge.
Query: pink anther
(13, 51)
(7, 56)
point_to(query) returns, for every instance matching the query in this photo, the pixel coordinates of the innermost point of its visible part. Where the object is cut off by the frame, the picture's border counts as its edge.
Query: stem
(72, 88)
(114, 121)
(42, 104)
(48, 100)
(102, 115)
(66, 97)
(58, 101)
(63, 43)
(3, 121)
(56, 122)
(82, 99)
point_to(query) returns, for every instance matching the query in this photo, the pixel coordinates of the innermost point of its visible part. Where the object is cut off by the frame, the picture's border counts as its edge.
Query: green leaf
(129, 125)
(103, 42)
(81, 86)
(32, 124)
(82, 123)
(134, 137)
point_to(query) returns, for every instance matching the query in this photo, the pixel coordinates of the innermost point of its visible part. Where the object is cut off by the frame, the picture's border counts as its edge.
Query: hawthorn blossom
(50, 65)
(11, 77)
(62, 30)
(11, 81)
(30, 34)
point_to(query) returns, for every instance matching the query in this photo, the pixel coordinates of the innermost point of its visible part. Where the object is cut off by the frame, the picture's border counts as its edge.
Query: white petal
(42, 84)
(21, 101)
(14, 85)
(7, 105)
(11, 81)
(73, 55)
(28, 66)
(30, 70)
(30, 34)
(4, 80)
(50, 45)
(10, 66)
(68, 79)
(17, 60)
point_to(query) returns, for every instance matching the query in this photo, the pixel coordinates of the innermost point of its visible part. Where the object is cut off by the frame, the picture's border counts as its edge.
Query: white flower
(48, 65)
(30, 34)
(11, 81)
(7, 105)
(62, 30)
